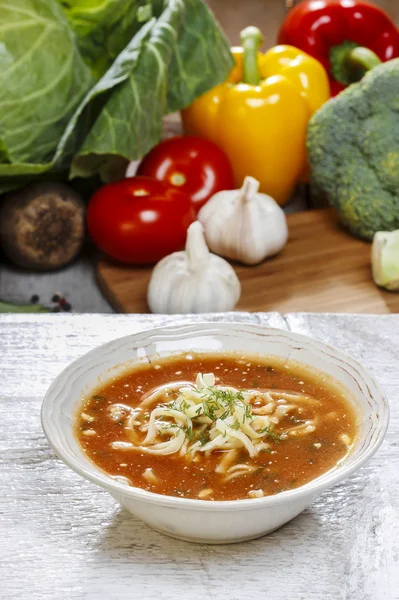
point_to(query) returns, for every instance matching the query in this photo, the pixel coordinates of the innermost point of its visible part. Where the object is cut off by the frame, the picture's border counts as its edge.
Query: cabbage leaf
(85, 83)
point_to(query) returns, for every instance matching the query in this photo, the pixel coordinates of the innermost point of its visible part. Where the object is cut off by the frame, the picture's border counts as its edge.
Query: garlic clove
(194, 280)
(243, 224)
(197, 252)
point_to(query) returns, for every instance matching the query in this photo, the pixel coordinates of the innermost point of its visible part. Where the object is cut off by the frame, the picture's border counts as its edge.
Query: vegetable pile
(85, 84)
(84, 88)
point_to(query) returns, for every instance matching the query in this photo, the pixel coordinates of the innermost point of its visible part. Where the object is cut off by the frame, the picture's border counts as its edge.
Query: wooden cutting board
(322, 269)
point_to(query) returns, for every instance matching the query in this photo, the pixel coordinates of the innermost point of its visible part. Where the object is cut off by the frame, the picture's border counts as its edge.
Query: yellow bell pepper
(259, 116)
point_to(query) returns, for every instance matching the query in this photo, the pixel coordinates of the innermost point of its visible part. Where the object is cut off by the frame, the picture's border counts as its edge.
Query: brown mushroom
(42, 225)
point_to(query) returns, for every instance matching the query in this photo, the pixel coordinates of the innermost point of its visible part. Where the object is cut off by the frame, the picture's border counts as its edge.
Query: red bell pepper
(348, 37)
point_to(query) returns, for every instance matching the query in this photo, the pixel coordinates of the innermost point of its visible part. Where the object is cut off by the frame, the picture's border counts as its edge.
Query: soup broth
(217, 427)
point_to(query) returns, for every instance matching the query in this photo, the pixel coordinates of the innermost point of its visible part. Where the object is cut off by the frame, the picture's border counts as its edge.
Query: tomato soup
(217, 427)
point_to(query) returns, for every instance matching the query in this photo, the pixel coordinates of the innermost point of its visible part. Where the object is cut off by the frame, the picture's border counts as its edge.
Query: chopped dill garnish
(209, 408)
(219, 405)
(204, 438)
(226, 396)
(272, 434)
(189, 433)
(164, 427)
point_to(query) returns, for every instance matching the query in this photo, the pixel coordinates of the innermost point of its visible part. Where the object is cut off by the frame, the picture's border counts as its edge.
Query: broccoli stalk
(385, 259)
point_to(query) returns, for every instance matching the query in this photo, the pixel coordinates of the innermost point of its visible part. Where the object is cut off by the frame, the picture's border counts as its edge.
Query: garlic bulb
(243, 224)
(194, 280)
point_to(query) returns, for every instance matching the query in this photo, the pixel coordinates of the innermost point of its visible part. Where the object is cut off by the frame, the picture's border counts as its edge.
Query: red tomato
(195, 165)
(139, 220)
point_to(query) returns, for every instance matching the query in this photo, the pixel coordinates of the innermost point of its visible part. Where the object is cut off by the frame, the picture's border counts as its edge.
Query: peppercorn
(65, 305)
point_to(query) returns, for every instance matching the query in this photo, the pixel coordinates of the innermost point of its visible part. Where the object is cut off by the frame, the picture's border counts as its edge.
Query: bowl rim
(314, 487)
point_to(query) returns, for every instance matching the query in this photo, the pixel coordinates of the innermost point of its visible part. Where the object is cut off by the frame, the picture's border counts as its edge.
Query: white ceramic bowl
(201, 520)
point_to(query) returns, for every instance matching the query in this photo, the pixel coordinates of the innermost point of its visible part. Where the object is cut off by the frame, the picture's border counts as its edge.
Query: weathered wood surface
(62, 538)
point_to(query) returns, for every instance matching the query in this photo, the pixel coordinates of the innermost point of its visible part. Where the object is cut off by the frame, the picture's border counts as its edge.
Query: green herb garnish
(248, 411)
(272, 434)
(189, 433)
(204, 438)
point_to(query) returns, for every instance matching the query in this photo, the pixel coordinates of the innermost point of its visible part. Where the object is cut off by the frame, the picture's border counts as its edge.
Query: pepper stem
(196, 249)
(249, 189)
(363, 58)
(251, 40)
(350, 62)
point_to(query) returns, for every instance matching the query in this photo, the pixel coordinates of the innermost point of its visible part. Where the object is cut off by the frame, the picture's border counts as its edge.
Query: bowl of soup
(215, 433)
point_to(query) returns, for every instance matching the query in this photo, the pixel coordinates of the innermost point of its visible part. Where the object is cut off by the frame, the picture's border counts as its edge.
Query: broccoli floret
(353, 146)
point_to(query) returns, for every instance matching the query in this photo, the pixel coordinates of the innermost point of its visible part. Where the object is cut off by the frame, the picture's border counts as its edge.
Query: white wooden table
(62, 538)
